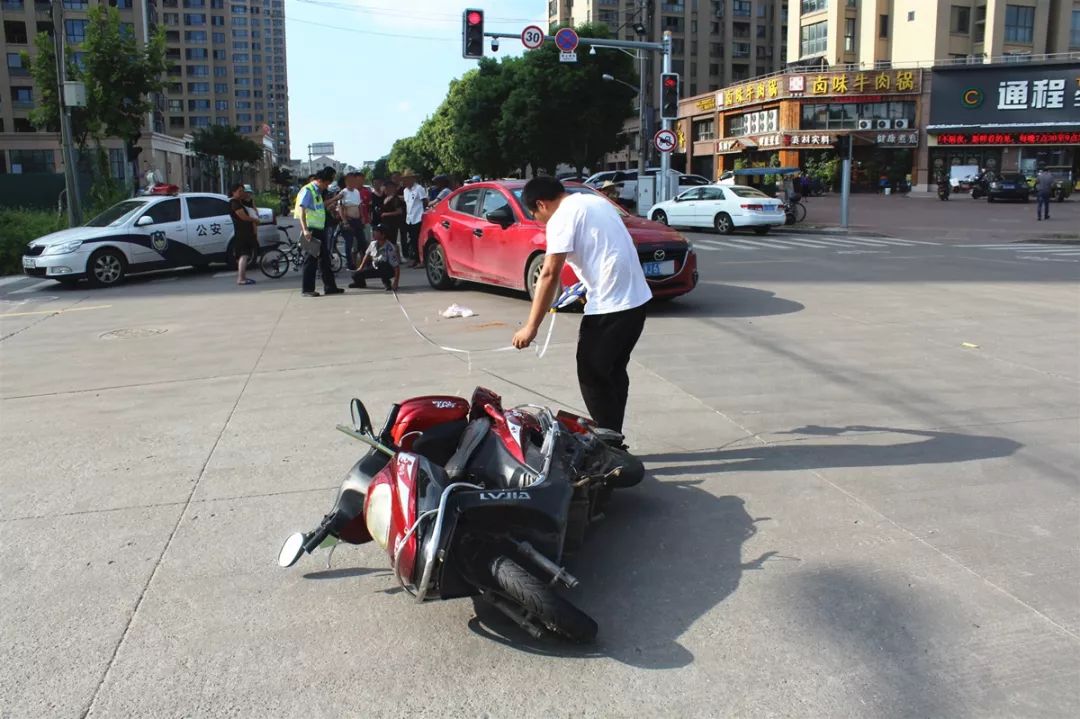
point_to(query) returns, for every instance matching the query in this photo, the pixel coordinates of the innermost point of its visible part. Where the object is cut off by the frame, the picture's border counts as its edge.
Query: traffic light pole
(662, 47)
(845, 183)
(664, 186)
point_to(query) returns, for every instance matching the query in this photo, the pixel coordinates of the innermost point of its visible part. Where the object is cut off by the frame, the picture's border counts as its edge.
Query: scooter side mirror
(291, 550)
(361, 419)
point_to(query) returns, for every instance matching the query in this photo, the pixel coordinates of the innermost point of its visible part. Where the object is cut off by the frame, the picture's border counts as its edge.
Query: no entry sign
(665, 140)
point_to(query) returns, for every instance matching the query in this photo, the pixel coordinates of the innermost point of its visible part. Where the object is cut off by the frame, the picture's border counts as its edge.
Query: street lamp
(642, 140)
(612, 78)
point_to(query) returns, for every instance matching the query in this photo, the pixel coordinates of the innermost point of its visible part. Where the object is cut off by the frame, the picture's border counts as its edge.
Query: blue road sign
(566, 39)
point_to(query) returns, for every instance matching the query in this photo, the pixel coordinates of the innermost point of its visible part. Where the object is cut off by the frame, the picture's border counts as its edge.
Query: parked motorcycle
(469, 499)
(979, 189)
(943, 190)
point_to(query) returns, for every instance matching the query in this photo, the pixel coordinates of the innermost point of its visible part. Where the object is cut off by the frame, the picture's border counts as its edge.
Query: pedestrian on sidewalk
(586, 232)
(352, 227)
(415, 202)
(311, 210)
(392, 213)
(380, 260)
(1044, 185)
(245, 230)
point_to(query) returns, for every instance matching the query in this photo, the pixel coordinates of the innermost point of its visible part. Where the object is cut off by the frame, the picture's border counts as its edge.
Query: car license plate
(657, 269)
(1008, 187)
(28, 263)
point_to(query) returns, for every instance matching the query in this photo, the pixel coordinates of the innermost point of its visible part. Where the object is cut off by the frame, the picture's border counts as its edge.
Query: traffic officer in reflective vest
(311, 210)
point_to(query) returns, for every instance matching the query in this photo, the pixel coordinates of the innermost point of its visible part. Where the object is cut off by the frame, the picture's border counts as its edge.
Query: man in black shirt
(245, 230)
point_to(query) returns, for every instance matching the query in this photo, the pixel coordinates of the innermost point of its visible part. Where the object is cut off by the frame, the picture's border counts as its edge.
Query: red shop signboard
(1009, 138)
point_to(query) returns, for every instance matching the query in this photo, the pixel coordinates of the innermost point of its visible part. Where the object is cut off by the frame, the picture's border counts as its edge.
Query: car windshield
(117, 214)
(746, 192)
(571, 190)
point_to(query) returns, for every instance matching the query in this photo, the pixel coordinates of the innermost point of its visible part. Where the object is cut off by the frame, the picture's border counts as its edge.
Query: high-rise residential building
(228, 68)
(714, 43)
(884, 32)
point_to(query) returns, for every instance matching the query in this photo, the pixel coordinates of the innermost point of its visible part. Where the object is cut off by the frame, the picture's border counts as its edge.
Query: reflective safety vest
(316, 218)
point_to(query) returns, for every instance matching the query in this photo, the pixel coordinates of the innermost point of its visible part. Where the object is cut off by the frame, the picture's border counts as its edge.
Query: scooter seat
(457, 467)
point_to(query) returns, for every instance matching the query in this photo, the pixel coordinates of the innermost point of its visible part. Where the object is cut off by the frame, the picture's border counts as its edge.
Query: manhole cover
(132, 334)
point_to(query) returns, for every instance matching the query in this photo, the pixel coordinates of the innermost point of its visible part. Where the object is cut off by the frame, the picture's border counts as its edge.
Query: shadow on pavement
(935, 448)
(666, 554)
(876, 628)
(712, 299)
(344, 573)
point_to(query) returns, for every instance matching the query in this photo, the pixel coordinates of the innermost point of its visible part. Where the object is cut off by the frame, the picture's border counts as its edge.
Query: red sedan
(483, 233)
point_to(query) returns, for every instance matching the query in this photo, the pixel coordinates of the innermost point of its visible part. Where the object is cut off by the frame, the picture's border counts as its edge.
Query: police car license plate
(28, 263)
(657, 269)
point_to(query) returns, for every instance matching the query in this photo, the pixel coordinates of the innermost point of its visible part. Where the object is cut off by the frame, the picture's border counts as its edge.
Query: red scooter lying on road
(470, 499)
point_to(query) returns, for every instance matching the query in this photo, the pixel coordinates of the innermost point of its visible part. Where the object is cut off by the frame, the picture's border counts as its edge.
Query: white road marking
(34, 287)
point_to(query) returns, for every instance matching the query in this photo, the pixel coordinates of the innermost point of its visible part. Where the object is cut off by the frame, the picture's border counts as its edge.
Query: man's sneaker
(310, 294)
(335, 291)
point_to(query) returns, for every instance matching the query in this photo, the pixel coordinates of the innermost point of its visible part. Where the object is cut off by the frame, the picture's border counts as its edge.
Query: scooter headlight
(377, 513)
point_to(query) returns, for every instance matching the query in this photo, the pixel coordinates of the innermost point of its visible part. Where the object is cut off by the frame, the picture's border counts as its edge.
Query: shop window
(960, 20)
(704, 130)
(1019, 24)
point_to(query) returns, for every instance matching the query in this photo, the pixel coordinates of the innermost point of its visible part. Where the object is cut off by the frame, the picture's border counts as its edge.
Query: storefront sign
(811, 139)
(1006, 97)
(730, 145)
(1009, 138)
(706, 103)
(897, 139)
(763, 141)
(825, 84)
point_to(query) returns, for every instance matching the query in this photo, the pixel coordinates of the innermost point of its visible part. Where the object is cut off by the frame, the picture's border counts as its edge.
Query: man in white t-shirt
(415, 200)
(585, 231)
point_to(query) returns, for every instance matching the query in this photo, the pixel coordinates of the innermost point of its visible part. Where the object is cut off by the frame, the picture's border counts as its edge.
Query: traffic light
(472, 33)
(669, 96)
(842, 145)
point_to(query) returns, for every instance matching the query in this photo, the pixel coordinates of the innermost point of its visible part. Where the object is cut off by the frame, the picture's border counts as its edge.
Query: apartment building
(229, 68)
(714, 44)
(898, 32)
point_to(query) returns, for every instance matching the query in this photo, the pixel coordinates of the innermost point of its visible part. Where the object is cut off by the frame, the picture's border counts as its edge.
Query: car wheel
(532, 274)
(106, 268)
(660, 216)
(435, 267)
(723, 223)
(763, 230)
(1027, 198)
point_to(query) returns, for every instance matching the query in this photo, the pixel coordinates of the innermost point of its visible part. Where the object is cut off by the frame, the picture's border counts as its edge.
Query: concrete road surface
(862, 497)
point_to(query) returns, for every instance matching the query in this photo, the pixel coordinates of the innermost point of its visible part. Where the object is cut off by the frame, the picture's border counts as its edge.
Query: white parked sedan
(145, 233)
(721, 208)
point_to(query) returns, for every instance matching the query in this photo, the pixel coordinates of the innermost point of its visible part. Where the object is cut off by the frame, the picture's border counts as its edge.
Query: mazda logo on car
(659, 255)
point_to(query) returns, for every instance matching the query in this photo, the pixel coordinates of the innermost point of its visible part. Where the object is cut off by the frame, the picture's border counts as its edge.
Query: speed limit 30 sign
(532, 37)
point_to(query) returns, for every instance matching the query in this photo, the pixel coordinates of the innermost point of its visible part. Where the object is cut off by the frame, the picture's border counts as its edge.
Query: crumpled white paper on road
(456, 310)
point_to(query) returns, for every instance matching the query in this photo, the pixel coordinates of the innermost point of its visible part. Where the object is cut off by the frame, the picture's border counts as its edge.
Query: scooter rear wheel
(540, 601)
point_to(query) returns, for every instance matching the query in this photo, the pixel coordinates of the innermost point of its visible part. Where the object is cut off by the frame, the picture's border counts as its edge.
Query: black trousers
(320, 264)
(412, 239)
(603, 352)
(384, 272)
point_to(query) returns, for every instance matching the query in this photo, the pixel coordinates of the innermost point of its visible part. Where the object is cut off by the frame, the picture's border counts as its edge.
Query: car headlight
(63, 248)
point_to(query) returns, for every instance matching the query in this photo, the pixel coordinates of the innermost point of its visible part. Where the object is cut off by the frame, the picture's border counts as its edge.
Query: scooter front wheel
(540, 601)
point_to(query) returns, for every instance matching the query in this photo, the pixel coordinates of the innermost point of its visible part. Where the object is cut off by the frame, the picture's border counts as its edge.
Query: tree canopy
(534, 110)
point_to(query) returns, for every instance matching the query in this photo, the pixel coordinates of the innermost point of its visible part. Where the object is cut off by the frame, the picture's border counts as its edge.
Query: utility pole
(71, 181)
(845, 182)
(643, 132)
(665, 157)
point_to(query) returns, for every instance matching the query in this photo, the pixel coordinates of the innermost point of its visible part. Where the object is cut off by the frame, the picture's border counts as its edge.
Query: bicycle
(275, 263)
(795, 211)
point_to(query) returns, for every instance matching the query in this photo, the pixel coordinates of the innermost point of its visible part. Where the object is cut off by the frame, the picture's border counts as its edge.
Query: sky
(363, 73)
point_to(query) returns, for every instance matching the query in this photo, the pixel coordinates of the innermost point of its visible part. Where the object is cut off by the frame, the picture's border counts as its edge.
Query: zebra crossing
(843, 245)
(1034, 251)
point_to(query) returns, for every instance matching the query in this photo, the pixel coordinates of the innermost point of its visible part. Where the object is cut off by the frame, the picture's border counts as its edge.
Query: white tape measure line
(540, 351)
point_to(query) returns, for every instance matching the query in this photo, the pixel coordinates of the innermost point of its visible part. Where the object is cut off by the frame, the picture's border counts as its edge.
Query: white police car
(144, 233)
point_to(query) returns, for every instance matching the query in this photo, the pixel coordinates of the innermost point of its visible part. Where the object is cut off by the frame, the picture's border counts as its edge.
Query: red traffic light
(475, 17)
(670, 81)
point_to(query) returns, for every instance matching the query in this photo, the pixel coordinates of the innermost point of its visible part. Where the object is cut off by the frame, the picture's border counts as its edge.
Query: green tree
(46, 112)
(121, 76)
(223, 141)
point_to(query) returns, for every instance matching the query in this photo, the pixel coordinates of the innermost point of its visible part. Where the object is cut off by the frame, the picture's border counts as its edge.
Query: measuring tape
(540, 350)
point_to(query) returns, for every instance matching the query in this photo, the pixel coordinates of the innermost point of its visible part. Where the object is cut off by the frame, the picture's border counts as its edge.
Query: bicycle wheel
(800, 211)
(274, 264)
(335, 261)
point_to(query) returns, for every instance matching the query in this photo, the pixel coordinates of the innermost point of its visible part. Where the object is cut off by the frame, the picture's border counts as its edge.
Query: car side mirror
(503, 216)
(144, 221)
(679, 198)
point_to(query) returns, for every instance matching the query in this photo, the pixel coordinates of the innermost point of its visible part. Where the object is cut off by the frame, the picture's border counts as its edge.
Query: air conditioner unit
(882, 124)
(866, 124)
(901, 124)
